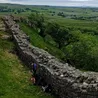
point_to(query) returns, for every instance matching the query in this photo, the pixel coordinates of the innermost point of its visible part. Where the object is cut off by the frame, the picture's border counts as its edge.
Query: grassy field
(69, 12)
(51, 14)
(14, 76)
(72, 23)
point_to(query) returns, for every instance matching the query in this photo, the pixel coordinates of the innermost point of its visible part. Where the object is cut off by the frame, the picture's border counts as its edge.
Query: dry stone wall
(66, 81)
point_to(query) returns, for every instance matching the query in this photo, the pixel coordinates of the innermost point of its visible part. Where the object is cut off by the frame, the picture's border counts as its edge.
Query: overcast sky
(93, 3)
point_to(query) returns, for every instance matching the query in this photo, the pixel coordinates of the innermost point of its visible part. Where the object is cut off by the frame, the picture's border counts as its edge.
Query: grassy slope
(38, 41)
(14, 76)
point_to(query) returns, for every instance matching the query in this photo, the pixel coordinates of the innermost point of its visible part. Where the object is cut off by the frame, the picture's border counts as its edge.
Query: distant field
(67, 12)
(69, 16)
(73, 23)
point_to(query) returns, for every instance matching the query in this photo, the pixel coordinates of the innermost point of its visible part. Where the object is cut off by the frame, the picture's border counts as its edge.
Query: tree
(36, 20)
(62, 36)
(59, 33)
(83, 52)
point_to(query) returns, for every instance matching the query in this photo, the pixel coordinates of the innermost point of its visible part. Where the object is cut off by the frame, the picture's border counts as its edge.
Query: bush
(83, 52)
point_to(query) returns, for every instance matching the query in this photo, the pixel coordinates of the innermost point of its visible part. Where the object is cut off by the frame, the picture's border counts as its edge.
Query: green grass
(72, 23)
(14, 76)
(38, 41)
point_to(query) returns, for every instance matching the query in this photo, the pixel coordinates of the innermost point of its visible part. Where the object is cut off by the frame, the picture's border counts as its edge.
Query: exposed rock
(6, 37)
(66, 81)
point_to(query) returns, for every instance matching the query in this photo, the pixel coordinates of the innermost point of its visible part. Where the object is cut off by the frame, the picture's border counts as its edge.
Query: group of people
(37, 80)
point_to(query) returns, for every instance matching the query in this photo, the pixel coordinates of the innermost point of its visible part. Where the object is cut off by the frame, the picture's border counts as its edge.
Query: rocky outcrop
(2, 26)
(66, 81)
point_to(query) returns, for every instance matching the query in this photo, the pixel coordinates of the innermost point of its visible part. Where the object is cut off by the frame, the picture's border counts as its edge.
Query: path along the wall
(66, 81)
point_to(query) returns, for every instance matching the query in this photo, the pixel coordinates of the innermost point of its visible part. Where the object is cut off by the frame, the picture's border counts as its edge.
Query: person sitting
(33, 80)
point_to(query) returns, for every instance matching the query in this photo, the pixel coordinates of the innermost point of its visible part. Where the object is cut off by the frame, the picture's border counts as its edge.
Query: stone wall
(66, 81)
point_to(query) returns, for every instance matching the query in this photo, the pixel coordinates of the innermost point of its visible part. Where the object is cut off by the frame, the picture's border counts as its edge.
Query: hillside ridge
(65, 80)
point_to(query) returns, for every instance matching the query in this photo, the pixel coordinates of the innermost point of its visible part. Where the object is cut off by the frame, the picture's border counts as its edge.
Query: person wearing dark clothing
(38, 80)
(34, 68)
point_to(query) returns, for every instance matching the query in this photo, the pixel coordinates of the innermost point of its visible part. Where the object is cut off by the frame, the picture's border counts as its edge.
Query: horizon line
(84, 6)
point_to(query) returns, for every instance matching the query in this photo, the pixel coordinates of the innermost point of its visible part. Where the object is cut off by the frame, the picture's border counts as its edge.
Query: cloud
(93, 3)
(3, 1)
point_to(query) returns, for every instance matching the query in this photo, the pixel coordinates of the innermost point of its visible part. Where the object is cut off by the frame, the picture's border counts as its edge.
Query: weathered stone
(66, 81)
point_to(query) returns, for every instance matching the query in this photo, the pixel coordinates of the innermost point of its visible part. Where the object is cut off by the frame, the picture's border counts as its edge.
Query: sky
(92, 3)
